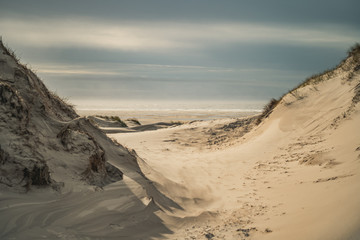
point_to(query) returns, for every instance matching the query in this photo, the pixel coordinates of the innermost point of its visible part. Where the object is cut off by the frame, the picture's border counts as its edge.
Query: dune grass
(353, 52)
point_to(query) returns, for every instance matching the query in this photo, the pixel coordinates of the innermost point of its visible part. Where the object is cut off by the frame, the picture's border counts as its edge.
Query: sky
(164, 50)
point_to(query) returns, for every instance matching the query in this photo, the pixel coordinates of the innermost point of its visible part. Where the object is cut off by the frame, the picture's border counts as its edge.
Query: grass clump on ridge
(63, 103)
(353, 52)
(267, 110)
(63, 100)
(8, 51)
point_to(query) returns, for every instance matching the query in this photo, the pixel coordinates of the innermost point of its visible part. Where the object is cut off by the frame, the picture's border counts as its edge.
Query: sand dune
(292, 173)
(295, 176)
(61, 176)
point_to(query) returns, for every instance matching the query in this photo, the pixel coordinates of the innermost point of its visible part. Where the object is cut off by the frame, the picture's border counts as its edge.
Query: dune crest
(43, 141)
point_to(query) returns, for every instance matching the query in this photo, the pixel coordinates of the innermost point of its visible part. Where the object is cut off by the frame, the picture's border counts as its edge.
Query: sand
(293, 175)
(296, 176)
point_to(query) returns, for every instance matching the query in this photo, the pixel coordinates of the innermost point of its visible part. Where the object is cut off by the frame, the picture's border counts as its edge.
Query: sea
(165, 111)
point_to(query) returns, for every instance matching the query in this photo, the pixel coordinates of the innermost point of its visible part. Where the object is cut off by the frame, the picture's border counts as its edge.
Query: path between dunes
(296, 176)
(293, 176)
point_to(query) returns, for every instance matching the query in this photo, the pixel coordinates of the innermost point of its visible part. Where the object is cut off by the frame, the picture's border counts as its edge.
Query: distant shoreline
(168, 115)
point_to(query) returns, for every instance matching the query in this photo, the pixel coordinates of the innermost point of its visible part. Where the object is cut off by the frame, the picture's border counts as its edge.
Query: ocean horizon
(150, 111)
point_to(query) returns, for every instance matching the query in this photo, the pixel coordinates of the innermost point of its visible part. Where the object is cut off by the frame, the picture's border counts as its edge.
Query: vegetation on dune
(63, 100)
(70, 108)
(9, 51)
(353, 52)
(267, 110)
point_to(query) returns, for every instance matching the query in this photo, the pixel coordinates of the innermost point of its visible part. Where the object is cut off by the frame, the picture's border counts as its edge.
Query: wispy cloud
(68, 70)
(124, 69)
(142, 36)
(138, 59)
(136, 70)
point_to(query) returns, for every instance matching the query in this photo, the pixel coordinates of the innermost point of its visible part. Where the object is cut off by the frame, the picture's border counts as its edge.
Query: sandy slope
(296, 176)
(61, 177)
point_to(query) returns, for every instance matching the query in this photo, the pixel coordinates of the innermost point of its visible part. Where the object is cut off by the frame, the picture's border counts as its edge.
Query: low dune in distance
(292, 172)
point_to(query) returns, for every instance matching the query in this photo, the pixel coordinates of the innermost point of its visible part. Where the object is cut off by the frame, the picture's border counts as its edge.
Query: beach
(185, 111)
